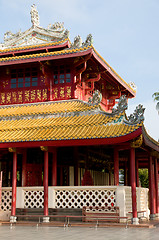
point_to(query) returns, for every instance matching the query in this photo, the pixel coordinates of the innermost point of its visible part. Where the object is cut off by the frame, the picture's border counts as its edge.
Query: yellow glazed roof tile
(62, 120)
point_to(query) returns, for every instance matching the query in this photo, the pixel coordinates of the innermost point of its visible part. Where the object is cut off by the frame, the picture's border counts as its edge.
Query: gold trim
(136, 143)
(12, 149)
(45, 149)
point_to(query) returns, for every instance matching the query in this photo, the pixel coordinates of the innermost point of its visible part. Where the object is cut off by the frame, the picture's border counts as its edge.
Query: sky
(125, 34)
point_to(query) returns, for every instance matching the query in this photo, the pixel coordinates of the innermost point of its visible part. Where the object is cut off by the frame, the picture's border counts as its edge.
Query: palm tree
(156, 98)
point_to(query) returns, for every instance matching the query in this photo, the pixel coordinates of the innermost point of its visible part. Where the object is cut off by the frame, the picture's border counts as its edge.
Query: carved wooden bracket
(12, 149)
(136, 143)
(45, 149)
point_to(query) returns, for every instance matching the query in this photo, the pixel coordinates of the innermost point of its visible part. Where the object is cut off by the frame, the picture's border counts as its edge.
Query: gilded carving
(14, 97)
(55, 93)
(38, 94)
(8, 98)
(32, 95)
(62, 92)
(44, 94)
(45, 149)
(27, 95)
(136, 143)
(68, 92)
(2, 98)
(20, 97)
(12, 149)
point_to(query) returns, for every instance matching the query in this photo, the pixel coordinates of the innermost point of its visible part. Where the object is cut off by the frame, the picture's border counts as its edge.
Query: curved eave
(149, 141)
(32, 48)
(75, 142)
(113, 73)
(69, 53)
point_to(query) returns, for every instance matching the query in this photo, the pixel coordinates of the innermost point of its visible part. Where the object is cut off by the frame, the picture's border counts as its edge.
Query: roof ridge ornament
(122, 105)
(137, 116)
(34, 16)
(78, 41)
(96, 99)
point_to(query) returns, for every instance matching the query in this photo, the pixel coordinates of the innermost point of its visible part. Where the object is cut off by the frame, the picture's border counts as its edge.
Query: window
(61, 75)
(26, 77)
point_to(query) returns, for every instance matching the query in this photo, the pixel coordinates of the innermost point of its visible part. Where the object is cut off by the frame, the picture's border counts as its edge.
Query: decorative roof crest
(56, 27)
(122, 105)
(133, 86)
(78, 41)
(34, 16)
(137, 116)
(96, 99)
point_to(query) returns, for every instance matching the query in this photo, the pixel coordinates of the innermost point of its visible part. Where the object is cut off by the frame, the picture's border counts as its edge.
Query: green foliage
(144, 178)
(156, 98)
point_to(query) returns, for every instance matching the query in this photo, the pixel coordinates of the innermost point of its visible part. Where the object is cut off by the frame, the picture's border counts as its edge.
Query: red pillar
(133, 185)
(54, 168)
(46, 162)
(116, 167)
(14, 184)
(110, 178)
(156, 183)
(137, 173)
(24, 173)
(151, 189)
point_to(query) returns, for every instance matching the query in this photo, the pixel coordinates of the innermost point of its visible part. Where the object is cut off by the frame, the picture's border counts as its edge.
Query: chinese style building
(64, 133)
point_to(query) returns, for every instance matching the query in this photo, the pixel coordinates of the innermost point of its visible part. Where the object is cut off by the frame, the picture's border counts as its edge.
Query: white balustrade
(77, 197)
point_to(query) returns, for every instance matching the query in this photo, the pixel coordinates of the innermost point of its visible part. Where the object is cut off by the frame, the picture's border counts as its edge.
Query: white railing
(77, 197)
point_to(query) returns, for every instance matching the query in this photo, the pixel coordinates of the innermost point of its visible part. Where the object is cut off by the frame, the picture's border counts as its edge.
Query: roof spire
(34, 16)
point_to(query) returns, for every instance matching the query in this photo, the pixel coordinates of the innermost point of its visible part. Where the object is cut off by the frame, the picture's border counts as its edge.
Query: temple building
(64, 132)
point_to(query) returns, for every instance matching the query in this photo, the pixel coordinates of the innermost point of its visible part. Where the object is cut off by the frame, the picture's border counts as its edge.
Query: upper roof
(42, 44)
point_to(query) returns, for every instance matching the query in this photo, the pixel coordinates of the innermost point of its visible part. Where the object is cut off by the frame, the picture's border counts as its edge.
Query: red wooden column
(156, 183)
(151, 189)
(137, 173)
(116, 167)
(45, 182)
(54, 168)
(133, 185)
(14, 185)
(24, 173)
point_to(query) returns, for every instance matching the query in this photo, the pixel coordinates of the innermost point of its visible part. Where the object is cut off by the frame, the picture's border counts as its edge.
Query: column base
(46, 219)
(157, 215)
(152, 216)
(135, 221)
(13, 219)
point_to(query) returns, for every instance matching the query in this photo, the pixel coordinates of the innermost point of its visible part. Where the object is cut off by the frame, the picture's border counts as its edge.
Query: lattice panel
(81, 198)
(6, 200)
(34, 199)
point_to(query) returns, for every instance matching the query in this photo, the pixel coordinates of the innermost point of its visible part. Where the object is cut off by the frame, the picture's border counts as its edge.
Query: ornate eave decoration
(12, 149)
(78, 41)
(44, 148)
(122, 105)
(96, 99)
(137, 116)
(154, 154)
(136, 143)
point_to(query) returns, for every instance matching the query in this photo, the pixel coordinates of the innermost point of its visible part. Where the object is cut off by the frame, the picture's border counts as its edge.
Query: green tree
(156, 98)
(144, 178)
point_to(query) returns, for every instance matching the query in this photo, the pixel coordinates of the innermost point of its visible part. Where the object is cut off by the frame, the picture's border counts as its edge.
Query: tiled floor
(76, 233)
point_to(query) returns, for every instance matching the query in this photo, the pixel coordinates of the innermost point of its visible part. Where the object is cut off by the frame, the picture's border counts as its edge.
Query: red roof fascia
(60, 56)
(66, 44)
(113, 74)
(77, 142)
